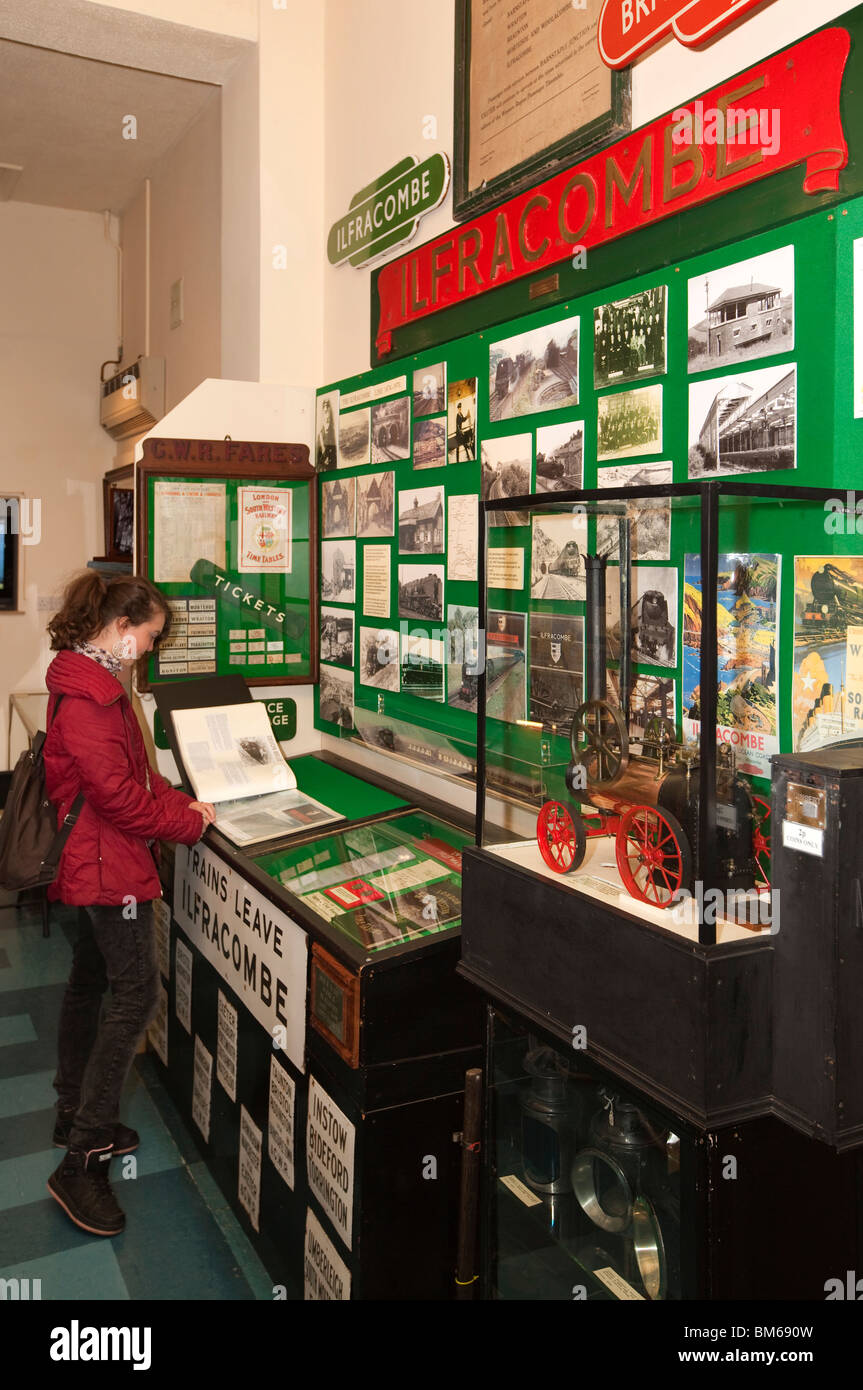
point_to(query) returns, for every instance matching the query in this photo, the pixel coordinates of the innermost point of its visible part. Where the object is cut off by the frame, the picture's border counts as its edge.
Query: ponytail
(90, 604)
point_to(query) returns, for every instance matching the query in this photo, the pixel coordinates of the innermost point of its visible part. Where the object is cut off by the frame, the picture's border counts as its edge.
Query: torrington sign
(628, 28)
(677, 162)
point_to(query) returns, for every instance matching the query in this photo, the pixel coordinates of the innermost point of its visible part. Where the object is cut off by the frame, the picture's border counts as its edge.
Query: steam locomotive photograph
(653, 616)
(560, 457)
(828, 599)
(559, 541)
(421, 592)
(534, 371)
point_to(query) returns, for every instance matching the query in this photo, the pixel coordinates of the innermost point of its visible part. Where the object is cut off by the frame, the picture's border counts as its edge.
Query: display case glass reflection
(382, 884)
(584, 1194)
(638, 781)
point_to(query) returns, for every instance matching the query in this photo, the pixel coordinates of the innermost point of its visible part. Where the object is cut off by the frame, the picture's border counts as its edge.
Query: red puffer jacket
(96, 747)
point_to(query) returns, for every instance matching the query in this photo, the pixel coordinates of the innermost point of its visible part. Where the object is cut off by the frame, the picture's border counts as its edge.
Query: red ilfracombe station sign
(628, 28)
(781, 113)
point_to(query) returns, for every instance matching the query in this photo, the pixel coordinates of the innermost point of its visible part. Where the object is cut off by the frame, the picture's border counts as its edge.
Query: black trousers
(94, 1057)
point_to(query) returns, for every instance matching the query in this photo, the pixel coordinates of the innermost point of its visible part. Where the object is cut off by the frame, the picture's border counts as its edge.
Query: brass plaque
(806, 805)
(547, 285)
(335, 1005)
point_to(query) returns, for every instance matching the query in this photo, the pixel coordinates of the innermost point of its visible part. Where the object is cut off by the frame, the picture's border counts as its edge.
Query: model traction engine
(650, 803)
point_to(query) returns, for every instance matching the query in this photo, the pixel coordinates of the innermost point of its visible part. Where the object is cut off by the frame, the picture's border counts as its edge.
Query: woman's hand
(206, 809)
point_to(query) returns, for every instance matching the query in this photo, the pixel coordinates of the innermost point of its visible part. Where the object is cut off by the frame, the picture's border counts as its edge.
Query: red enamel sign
(629, 27)
(782, 113)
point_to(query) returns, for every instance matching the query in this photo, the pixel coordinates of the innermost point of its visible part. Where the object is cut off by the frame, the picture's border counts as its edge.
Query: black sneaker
(125, 1140)
(81, 1186)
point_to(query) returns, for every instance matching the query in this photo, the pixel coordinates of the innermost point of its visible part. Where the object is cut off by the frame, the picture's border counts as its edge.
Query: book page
(230, 752)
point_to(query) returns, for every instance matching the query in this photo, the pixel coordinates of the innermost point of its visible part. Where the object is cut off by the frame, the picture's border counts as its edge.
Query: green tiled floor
(181, 1240)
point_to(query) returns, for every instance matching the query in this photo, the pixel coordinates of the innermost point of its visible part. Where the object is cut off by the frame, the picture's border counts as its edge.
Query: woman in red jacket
(109, 870)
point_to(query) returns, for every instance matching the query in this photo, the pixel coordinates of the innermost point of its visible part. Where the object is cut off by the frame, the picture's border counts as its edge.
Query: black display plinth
(688, 1024)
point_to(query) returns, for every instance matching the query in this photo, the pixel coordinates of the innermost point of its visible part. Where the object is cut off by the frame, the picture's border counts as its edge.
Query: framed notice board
(228, 532)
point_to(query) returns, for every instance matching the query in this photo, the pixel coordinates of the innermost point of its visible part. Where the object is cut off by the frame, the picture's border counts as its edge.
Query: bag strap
(52, 859)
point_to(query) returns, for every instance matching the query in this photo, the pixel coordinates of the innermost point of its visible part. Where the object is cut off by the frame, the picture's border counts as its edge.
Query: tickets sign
(628, 28)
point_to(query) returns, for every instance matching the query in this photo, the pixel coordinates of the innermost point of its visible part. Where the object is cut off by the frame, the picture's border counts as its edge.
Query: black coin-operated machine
(648, 803)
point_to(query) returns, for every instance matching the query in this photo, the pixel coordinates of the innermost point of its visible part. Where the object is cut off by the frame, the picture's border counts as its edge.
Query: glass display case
(637, 752)
(584, 1179)
(381, 884)
(627, 886)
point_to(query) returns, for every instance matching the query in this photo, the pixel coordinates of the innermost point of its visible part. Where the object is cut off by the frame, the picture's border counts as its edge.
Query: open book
(234, 761)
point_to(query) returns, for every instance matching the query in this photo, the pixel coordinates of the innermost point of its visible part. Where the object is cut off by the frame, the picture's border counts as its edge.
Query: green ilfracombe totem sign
(387, 212)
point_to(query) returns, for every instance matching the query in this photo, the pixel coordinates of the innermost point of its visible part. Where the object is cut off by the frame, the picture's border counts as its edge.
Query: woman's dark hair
(91, 604)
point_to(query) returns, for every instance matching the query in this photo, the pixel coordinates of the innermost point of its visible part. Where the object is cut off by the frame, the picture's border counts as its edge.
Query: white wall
(185, 242)
(57, 325)
(292, 149)
(390, 65)
(237, 18)
(241, 223)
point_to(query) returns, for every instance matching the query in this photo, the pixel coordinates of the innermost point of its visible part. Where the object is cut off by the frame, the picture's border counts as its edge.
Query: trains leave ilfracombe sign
(629, 27)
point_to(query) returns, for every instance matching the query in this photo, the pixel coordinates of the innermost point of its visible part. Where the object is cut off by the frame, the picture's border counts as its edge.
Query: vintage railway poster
(827, 690)
(748, 641)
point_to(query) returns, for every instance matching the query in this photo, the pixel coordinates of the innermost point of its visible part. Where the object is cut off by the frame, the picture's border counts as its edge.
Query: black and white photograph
(560, 457)
(429, 393)
(743, 424)
(534, 371)
(375, 510)
(421, 521)
(505, 665)
(422, 665)
(391, 430)
(628, 423)
(378, 664)
(629, 338)
(462, 657)
(430, 443)
(337, 636)
(556, 669)
(421, 592)
(558, 543)
(337, 696)
(461, 421)
(338, 507)
(740, 311)
(326, 421)
(338, 571)
(506, 464)
(653, 615)
(354, 435)
(649, 519)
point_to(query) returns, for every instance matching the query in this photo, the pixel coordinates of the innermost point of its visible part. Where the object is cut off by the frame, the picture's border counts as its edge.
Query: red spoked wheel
(561, 838)
(653, 855)
(761, 838)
